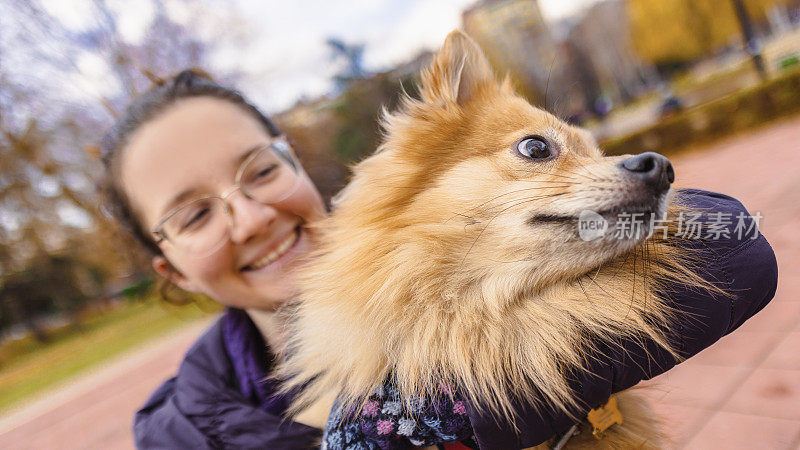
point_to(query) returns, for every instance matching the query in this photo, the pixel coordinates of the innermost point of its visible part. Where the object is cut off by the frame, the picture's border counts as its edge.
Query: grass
(28, 366)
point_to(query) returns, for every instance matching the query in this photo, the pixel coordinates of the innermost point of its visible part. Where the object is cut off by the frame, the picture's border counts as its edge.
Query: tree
(352, 57)
(676, 32)
(359, 109)
(54, 236)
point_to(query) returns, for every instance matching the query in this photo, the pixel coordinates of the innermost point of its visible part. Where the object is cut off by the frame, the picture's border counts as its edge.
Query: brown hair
(163, 94)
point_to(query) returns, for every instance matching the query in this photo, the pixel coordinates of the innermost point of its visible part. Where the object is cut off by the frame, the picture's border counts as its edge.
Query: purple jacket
(217, 400)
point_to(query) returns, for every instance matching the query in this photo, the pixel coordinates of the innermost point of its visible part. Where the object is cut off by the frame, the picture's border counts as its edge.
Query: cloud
(289, 58)
(284, 55)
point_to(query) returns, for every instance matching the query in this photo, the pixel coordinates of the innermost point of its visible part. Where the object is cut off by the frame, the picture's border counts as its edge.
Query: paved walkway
(96, 411)
(742, 393)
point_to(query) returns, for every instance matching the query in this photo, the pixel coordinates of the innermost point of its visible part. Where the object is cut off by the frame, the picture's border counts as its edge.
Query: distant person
(211, 188)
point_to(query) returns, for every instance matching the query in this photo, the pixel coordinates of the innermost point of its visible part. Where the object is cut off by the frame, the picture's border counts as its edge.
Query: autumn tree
(675, 32)
(57, 245)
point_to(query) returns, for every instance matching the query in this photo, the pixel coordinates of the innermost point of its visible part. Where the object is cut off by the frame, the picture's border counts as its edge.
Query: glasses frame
(280, 146)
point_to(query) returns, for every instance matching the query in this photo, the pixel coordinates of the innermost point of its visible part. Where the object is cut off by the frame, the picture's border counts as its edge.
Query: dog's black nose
(652, 168)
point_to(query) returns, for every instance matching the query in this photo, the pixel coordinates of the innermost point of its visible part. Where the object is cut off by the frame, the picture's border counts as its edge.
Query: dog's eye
(534, 147)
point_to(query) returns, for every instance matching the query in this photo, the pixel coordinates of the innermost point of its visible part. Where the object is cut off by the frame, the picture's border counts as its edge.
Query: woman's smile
(276, 256)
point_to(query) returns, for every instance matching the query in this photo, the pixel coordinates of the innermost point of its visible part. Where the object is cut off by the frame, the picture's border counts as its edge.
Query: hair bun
(191, 77)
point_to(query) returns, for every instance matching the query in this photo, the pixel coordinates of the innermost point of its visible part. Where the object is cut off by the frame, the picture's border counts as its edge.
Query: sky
(297, 62)
(283, 55)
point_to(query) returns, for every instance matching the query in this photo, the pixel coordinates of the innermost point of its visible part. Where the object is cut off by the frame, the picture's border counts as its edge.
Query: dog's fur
(448, 258)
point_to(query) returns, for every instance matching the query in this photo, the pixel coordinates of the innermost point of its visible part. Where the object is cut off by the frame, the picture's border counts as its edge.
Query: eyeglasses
(200, 226)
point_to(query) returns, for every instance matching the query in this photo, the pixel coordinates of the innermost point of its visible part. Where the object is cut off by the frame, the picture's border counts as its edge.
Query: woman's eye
(195, 218)
(263, 172)
(534, 147)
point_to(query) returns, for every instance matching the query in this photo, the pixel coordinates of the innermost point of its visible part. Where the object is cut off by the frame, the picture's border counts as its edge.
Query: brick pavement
(744, 391)
(741, 393)
(96, 412)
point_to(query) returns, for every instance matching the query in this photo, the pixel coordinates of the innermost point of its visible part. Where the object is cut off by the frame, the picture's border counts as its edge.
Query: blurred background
(78, 300)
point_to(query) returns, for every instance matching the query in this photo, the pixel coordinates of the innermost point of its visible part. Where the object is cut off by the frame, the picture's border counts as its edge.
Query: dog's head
(494, 186)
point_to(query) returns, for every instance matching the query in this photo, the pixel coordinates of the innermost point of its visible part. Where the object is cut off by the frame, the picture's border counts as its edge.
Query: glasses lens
(198, 227)
(269, 175)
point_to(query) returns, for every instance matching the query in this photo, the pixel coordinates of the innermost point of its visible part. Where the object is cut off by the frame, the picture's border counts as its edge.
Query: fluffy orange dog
(453, 255)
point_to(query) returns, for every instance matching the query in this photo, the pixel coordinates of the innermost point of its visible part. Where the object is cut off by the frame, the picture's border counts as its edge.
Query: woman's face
(194, 149)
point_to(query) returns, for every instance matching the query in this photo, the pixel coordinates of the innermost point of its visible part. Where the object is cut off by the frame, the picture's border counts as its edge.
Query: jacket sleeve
(159, 424)
(198, 410)
(743, 266)
(229, 420)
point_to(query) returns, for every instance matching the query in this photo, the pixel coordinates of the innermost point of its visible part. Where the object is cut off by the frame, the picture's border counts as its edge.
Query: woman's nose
(250, 217)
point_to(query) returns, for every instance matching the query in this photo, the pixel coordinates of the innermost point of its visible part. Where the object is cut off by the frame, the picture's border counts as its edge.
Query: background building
(592, 59)
(601, 40)
(517, 40)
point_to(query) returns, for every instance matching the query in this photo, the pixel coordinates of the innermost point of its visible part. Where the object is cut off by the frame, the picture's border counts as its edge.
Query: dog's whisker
(557, 182)
(651, 250)
(514, 192)
(522, 172)
(648, 261)
(385, 186)
(579, 174)
(598, 284)
(465, 216)
(500, 204)
(591, 175)
(633, 285)
(509, 261)
(561, 169)
(523, 200)
(591, 172)
(561, 178)
(564, 177)
(500, 212)
(580, 283)
(473, 218)
(547, 84)
(642, 255)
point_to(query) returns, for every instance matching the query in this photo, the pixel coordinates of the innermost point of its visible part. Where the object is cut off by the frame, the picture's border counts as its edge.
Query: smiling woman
(191, 175)
(212, 189)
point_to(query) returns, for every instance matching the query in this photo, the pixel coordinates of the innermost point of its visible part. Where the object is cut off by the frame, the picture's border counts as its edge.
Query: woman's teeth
(282, 248)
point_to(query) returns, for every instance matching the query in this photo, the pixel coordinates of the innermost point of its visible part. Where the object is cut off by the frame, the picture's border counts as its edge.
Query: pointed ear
(457, 71)
(165, 269)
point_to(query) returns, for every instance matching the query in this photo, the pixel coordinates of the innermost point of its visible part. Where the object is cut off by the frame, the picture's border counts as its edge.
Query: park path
(742, 393)
(96, 411)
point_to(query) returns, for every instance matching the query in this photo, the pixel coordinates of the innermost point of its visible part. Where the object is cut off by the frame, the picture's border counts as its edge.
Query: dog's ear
(457, 72)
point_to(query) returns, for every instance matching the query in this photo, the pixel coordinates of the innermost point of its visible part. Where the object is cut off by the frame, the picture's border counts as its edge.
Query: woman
(185, 140)
(208, 185)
